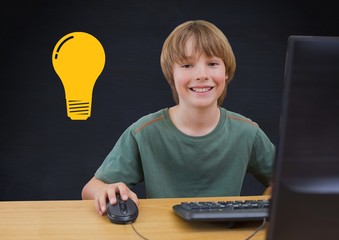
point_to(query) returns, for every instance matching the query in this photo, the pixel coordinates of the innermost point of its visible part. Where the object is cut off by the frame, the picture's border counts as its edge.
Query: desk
(78, 219)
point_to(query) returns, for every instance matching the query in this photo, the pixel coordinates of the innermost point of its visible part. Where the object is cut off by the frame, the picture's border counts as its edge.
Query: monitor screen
(305, 196)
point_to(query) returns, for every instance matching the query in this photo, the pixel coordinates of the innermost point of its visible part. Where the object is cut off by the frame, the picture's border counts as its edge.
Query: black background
(45, 155)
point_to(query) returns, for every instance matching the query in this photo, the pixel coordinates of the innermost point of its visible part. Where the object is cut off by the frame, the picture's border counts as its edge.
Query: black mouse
(123, 211)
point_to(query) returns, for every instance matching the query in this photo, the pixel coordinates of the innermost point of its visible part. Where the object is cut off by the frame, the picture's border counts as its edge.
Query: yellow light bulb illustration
(78, 59)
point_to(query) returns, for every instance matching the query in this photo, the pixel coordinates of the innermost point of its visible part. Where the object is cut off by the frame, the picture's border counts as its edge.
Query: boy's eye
(186, 65)
(213, 64)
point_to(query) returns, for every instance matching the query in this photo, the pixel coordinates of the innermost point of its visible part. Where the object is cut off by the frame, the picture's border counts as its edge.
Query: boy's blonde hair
(208, 39)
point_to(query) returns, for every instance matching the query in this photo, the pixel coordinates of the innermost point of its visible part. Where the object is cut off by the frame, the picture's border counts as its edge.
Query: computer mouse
(123, 211)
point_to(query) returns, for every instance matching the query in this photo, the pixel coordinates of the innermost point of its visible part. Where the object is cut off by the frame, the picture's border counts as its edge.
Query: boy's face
(199, 79)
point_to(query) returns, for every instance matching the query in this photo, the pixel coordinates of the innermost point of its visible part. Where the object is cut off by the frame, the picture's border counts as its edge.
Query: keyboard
(228, 211)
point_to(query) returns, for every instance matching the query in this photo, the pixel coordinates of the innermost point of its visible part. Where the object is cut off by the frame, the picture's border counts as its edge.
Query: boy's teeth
(201, 89)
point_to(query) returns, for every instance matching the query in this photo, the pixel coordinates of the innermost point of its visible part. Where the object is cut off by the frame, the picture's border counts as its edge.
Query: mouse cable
(138, 233)
(255, 232)
(258, 229)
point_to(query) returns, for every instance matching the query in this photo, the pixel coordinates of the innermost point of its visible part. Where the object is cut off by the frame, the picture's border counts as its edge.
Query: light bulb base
(78, 109)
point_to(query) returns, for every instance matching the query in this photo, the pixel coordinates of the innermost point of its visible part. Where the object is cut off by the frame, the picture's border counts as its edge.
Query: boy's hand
(109, 192)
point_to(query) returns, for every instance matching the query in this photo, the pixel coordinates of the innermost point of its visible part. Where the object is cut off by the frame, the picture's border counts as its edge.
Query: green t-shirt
(173, 164)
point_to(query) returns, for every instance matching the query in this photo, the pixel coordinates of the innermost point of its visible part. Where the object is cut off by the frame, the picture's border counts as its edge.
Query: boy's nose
(201, 73)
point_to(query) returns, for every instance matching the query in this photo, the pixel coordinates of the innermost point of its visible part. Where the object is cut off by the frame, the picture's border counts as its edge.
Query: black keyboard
(228, 211)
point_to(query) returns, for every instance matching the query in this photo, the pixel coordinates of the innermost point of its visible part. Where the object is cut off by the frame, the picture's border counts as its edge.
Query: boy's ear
(226, 77)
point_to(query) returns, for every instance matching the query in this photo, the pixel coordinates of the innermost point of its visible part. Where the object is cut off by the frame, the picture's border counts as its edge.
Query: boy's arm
(268, 191)
(90, 189)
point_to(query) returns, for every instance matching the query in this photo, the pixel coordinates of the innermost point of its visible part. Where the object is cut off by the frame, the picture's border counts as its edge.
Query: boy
(195, 148)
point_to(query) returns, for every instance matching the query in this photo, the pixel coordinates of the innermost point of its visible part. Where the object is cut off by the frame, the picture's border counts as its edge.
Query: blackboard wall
(45, 155)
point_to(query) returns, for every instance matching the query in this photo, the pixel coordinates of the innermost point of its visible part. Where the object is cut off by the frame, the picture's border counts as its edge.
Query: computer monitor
(305, 195)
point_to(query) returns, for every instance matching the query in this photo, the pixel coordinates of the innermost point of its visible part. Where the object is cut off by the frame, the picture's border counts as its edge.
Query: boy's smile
(201, 90)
